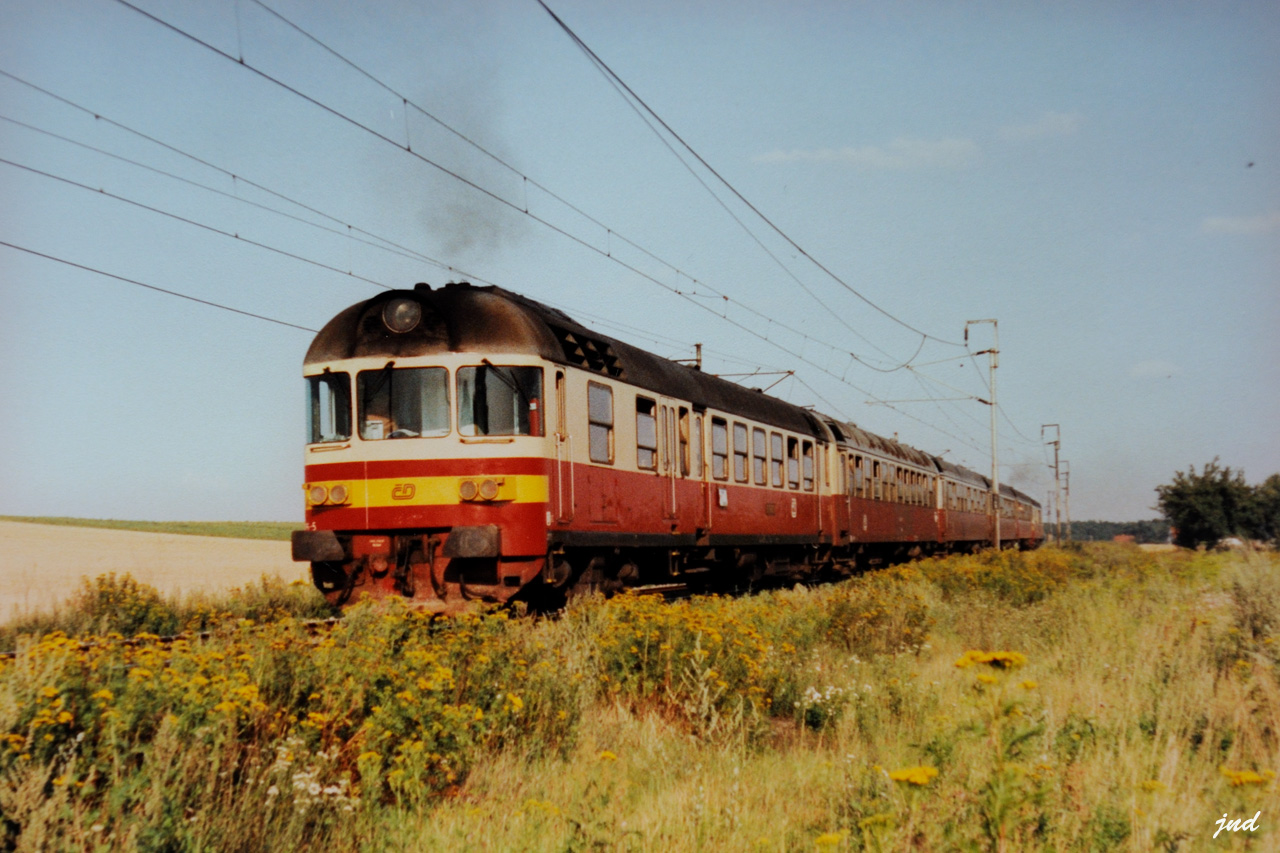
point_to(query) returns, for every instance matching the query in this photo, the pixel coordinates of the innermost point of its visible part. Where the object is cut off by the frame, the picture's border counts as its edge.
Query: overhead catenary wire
(193, 222)
(683, 293)
(156, 288)
(234, 176)
(403, 250)
(564, 232)
(612, 75)
(407, 147)
(492, 195)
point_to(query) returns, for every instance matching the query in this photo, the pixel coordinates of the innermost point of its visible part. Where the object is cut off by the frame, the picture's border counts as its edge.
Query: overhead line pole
(1066, 473)
(1057, 479)
(993, 354)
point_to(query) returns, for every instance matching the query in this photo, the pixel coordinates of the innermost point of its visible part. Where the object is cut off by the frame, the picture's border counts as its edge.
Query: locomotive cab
(427, 455)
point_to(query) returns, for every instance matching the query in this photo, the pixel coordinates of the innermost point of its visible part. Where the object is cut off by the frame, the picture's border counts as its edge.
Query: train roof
(858, 438)
(466, 318)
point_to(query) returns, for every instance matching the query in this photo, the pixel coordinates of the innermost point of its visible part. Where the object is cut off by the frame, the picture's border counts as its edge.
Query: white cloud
(1048, 125)
(899, 155)
(1263, 223)
(1154, 369)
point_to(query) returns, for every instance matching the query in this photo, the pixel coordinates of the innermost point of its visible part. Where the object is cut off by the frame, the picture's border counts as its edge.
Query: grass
(273, 530)
(1099, 698)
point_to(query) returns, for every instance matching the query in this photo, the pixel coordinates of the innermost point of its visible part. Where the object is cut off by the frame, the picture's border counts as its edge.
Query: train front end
(427, 458)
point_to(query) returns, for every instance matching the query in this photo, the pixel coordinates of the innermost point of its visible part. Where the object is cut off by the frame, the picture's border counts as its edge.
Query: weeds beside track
(1110, 700)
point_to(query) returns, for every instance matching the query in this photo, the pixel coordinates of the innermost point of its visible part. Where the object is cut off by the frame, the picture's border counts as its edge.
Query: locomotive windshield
(328, 407)
(494, 400)
(409, 402)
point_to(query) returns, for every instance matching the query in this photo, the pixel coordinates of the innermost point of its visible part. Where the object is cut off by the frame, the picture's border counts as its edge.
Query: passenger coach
(468, 443)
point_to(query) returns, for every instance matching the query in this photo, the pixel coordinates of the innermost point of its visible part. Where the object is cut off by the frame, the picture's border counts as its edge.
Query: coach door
(842, 496)
(669, 457)
(564, 456)
(697, 472)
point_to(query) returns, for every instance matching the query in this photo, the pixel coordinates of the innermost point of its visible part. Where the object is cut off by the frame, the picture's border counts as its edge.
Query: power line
(492, 195)
(407, 148)
(155, 288)
(232, 235)
(600, 63)
(235, 177)
(267, 189)
(407, 103)
(687, 295)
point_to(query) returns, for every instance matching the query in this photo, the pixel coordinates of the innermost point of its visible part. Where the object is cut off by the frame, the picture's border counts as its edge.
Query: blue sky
(1101, 178)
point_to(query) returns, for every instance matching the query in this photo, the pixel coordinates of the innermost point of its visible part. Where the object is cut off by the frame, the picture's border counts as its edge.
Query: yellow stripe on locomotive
(428, 491)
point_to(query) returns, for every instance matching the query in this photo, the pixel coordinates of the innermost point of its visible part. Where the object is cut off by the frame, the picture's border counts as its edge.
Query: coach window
(806, 465)
(328, 407)
(719, 449)
(494, 400)
(793, 462)
(858, 484)
(759, 456)
(877, 488)
(775, 458)
(740, 452)
(403, 403)
(646, 434)
(600, 422)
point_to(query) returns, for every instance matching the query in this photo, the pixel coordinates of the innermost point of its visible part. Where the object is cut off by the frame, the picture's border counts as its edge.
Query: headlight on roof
(402, 314)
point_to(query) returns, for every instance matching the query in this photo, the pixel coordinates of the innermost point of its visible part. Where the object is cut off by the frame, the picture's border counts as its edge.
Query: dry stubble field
(42, 565)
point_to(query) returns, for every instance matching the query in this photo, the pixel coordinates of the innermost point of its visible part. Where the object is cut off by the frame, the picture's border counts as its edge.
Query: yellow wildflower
(914, 775)
(830, 839)
(996, 660)
(1239, 778)
(606, 755)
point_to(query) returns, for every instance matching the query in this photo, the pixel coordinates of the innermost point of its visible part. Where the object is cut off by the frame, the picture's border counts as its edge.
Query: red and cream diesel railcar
(468, 443)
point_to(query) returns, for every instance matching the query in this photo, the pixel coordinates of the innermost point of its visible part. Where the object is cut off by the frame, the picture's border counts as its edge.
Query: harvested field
(43, 564)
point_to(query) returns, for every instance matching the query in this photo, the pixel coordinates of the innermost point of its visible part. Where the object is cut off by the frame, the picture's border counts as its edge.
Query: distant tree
(1207, 507)
(1266, 499)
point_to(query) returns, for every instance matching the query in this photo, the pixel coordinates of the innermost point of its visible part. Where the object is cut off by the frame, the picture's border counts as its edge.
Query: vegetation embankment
(273, 530)
(1092, 699)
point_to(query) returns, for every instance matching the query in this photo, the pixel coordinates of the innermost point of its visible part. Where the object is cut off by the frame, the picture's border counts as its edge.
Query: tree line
(1215, 504)
(1151, 532)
